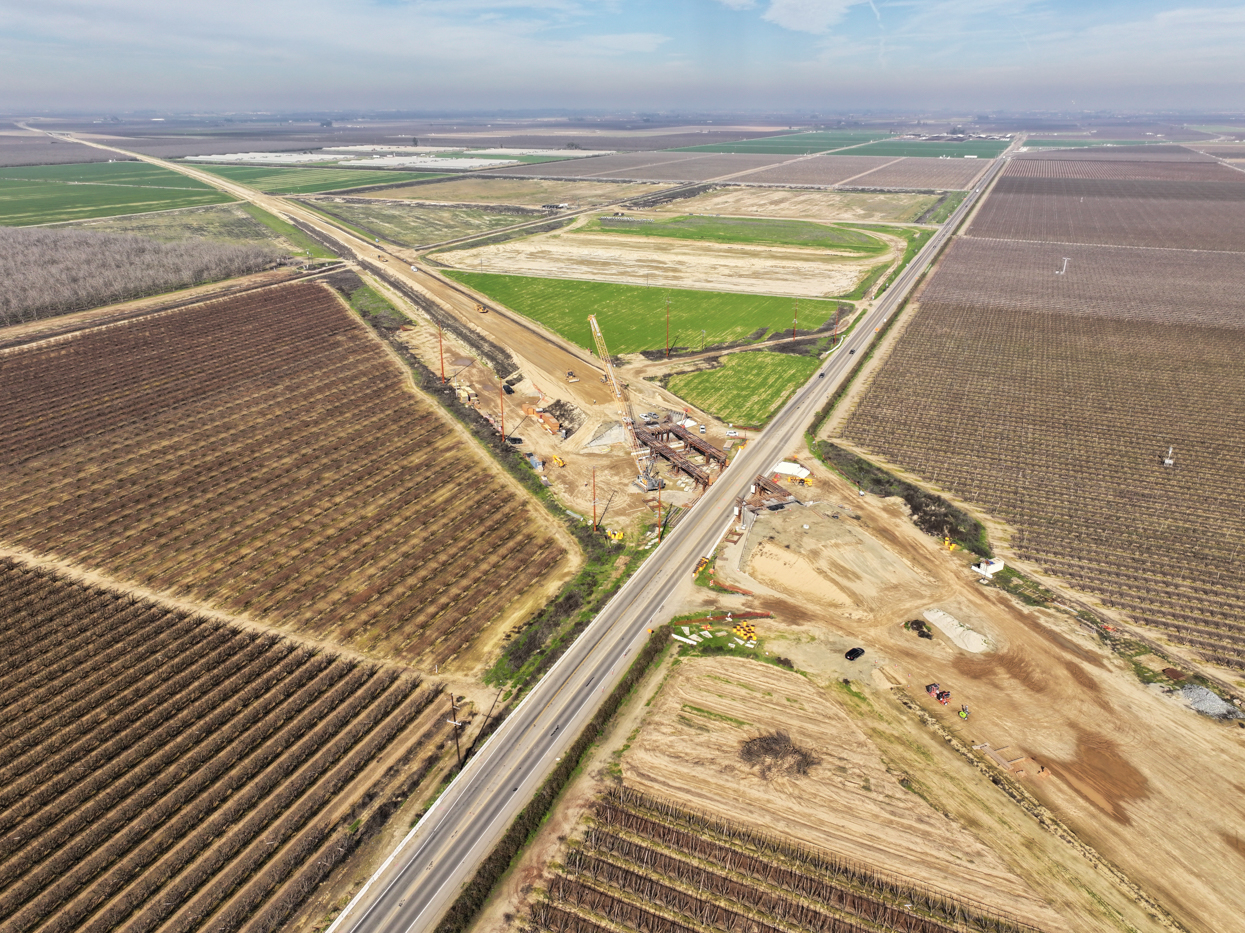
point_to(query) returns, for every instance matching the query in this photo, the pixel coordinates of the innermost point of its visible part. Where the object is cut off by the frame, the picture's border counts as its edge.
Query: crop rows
(648, 865)
(1164, 286)
(925, 173)
(1138, 153)
(262, 453)
(1168, 214)
(1122, 170)
(1057, 424)
(164, 771)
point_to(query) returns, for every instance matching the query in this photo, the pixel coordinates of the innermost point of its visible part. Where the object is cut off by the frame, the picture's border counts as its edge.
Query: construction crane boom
(624, 406)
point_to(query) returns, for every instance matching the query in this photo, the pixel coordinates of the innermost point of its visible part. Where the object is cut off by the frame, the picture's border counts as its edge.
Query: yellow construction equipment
(559, 461)
(570, 376)
(614, 535)
(482, 309)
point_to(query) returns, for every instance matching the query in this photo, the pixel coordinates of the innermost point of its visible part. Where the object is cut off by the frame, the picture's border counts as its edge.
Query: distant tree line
(44, 273)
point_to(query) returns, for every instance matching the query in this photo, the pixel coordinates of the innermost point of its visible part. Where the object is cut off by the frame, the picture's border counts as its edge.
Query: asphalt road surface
(423, 876)
(420, 879)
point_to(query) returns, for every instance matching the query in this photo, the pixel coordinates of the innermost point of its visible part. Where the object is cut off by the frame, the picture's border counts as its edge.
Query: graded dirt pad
(264, 454)
(1070, 721)
(1173, 214)
(957, 174)
(817, 170)
(166, 768)
(804, 204)
(1123, 170)
(688, 751)
(651, 166)
(522, 192)
(1161, 286)
(664, 261)
(1058, 424)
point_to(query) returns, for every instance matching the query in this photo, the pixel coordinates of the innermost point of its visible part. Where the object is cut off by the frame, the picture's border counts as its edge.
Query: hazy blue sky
(655, 54)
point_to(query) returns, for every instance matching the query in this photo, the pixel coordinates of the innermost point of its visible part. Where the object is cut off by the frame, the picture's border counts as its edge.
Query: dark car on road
(854, 654)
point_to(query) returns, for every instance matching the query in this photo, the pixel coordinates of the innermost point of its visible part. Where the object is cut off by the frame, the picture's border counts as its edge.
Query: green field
(795, 144)
(633, 317)
(746, 230)
(749, 387)
(310, 180)
(894, 148)
(44, 194)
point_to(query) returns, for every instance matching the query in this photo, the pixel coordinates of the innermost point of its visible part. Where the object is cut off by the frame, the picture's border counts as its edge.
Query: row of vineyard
(1051, 399)
(648, 865)
(162, 771)
(265, 455)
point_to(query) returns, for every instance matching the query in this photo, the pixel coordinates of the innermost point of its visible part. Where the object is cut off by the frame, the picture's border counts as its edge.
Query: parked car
(854, 654)
(732, 434)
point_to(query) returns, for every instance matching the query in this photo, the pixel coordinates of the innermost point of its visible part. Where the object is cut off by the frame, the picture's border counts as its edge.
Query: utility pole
(667, 328)
(659, 521)
(441, 347)
(501, 402)
(453, 721)
(796, 318)
(594, 500)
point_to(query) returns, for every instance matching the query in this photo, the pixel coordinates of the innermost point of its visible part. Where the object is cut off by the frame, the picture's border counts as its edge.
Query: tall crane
(624, 406)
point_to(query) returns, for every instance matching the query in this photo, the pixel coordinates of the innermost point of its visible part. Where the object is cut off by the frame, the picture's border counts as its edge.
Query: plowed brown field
(264, 454)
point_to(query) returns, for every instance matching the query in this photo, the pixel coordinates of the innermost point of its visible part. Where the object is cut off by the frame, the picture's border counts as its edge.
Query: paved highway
(424, 874)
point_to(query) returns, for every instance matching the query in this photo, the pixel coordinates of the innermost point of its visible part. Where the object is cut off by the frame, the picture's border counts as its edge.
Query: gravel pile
(1208, 704)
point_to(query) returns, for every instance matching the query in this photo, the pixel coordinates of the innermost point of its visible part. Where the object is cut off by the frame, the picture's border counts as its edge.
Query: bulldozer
(570, 376)
(482, 309)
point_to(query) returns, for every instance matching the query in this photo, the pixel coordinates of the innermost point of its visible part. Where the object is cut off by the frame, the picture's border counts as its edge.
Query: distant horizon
(829, 56)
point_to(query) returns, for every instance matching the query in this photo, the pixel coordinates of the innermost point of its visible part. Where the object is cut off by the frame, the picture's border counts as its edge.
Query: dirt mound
(775, 752)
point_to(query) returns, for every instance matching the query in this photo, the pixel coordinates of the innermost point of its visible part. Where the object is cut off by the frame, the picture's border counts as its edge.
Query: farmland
(418, 224)
(164, 769)
(633, 317)
(795, 144)
(924, 173)
(746, 230)
(51, 193)
(223, 223)
(743, 200)
(1171, 214)
(748, 388)
(521, 192)
(819, 170)
(652, 166)
(920, 149)
(264, 455)
(278, 180)
(625, 255)
(1123, 170)
(1057, 424)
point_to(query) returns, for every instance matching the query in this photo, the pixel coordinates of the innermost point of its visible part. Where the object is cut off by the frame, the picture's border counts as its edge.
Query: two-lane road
(421, 878)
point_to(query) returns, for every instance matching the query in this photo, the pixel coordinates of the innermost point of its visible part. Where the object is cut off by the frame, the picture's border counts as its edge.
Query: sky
(826, 56)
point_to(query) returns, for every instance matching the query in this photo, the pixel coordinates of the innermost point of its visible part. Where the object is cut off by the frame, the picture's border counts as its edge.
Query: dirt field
(264, 454)
(849, 804)
(735, 267)
(1127, 170)
(533, 192)
(164, 768)
(1049, 694)
(862, 207)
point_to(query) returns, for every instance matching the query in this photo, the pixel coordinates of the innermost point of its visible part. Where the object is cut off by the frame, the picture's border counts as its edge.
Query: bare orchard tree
(44, 273)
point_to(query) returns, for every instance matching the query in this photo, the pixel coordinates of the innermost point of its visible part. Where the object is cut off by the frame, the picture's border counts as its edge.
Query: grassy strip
(289, 231)
(863, 286)
(944, 210)
(466, 908)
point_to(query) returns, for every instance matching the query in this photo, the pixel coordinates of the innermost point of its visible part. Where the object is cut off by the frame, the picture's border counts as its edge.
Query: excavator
(559, 461)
